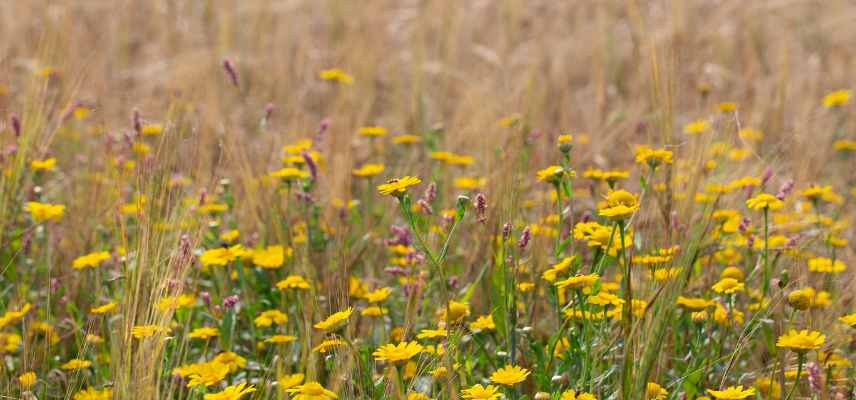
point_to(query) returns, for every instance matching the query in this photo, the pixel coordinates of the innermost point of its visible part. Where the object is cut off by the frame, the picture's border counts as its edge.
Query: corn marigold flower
(551, 274)
(289, 173)
(696, 127)
(836, 98)
(823, 264)
(280, 339)
(231, 360)
(551, 174)
(620, 204)
(727, 106)
(103, 309)
(801, 299)
(223, 255)
(844, 145)
(204, 333)
(233, 392)
(271, 257)
(764, 201)
(151, 129)
(432, 333)
(205, 374)
(334, 319)
(293, 282)
(398, 187)
(509, 375)
(483, 323)
(397, 352)
(571, 394)
(47, 164)
(417, 396)
(801, 341)
(368, 170)
(75, 364)
(91, 393)
(175, 302)
(469, 183)
(90, 260)
(732, 393)
(653, 157)
(378, 295)
(270, 317)
(373, 311)
(849, 319)
(144, 331)
(375, 131)
(406, 139)
(479, 392)
(312, 391)
(336, 75)
(457, 310)
(327, 344)
(654, 391)
(44, 211)
(728, 286)
(289, 381)
(27, 379)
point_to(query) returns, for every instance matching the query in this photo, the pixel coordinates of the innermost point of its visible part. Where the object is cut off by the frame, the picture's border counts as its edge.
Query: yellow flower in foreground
(44, 211)
(206, 332)
(654, 391)
(91, 393)
(653, 157)
(271, 257)
(764, 201)
(311, 391)
(289, 381)
(732, 393)
(483, 323)
(619, 204)
(231, 360)
(27, 379)
(849, 320)
(293, 282)
(334, 319)
(103, 309)
(836, 98)
(801, 341)
(270, 317)
(571, 394)
(509, 375)
(397, 352)
(578, 281)
(206, 374)
(397, 187)
(479, 392)
(76, 363)
(327, 345)
(728, 286)
(43, 165)
(233, 392)
(823, 264)
(144, 331)
(90, 260)
(550, 174)
(368, 170)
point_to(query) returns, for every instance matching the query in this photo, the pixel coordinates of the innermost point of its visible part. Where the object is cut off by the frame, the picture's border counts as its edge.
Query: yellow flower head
(336, 75)
(764, 201)
(289, 381)
(368, 170)
(91, 393)
(271, 257)
(551, 174)
(801, 341)
(849, 320)
(397, 187)
(483, 323)
(509, 375)
(103, 309)
(27, 379)
(728, 286)
(732, 393)
(312, 391)
(400, 352)
(47, 164)
(90, 260)
(479, 392)
(696, 127)
(333, 320)
(270, 317)
(654, 391)
(44, 211)
(375, 131)
(836, 98)
(233, 392)
(619, 204)
(293, 282)
(76, 363)
(204, 333)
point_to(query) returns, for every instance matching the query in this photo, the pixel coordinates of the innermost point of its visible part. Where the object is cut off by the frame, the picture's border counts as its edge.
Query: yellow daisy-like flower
(397, 352)
(289, 173)
(406, 139)
(653, 157)
(103, 309)
(270, 317)
(76, 363)
(468, 182)
(571, 394)
(397, 187)
(836, 98)
(336, 75)
(43, 165)
(509, 375)
(90, 260)
(231, 360)
(732, 393)
(432, 333)
(619, 204)
(483, 323)
(551, 174)
(230, 235)
(312, 391)
(327, 345)
(280, 339)
(333, 320)
(27, 379)
(206, 374)
(204, 333)
(764, 201)
(654, 391)
(694, 304)
(375, 131)
(44, 211)
(823, 264)
(801, 341)
(293, 282)
(849, 320)
(728, 286)
(233, 392)
(289, 381)
(479, 392)
(551, 274)
(271, 257)
(151, 129)
(578, 281)
(696, 127)
(91, 393)
(144, 331)
(368, 170)
(378, 295)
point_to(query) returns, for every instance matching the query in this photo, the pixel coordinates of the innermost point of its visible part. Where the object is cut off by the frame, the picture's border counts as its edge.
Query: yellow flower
(233, 392)
(334, 319)
(368, 170)
(373, 311)
(801, 299)
(222, 255)
(619, 204)
(653, 157)
(27, 379)
(289, 173)
(694, 304)
(432, 333)
(727, 106)
(836, 98)
(400, 352)
(728, 286)
(571, 394)
(653, 391)
(458, 311)
(91, 393)
(151, 129)
(697, 126)
(732, 393)
(293, 282)
(578, 281)
(336, 75)
(279, 339)
(103, 309)
(509, 375)
(231, 360)
(849, 320)
(397, 187)
(311, 391)
(551, 174)
(43, 165)
(552, 273)
(327, 345)
(764, 201)
(289, 381)
(378, 295)
(212, 208)
(417, 396)
(44, 211)
(479, 392)
(375, 131)
(230, 236)
(271, 257)
(406, 139)
(270, 317)
(204, 333)
(844, 145)
(823, 264)
(76, 363)
(206, 374)
(469, 183)
(90, 260)
(144, 331)
(801, 341)
(483, 323)
(175, 302)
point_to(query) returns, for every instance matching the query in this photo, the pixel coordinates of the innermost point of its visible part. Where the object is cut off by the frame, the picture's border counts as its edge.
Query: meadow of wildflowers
(520, 200)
